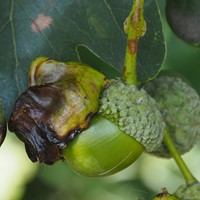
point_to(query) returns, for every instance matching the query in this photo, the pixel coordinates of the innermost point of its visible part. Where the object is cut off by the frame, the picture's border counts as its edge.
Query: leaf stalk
(188, 176)
(135, 28)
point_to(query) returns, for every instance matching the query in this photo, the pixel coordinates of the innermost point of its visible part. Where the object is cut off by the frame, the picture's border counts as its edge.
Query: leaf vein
(14, 44)
(4, 25)
(113, 16)
(73, 22)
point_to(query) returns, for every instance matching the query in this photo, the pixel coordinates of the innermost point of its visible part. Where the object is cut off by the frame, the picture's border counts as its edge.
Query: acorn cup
(188, 191)
(70, 111)
(179, 105)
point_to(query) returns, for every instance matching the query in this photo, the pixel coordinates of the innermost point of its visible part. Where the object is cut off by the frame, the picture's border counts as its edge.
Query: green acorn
(187, 192)
(127, 122)
(179, 104)
(101, 150)
(165, 196)
(70, 111)
(134, 112)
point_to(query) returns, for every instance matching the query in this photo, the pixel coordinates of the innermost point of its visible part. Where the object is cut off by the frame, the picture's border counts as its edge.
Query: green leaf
(87, 56)
(58, 29)
(183, 17)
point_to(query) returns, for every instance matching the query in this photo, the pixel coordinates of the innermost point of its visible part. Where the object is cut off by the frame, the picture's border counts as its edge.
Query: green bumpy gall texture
(188, 192)
(179, 104)
(135, 113)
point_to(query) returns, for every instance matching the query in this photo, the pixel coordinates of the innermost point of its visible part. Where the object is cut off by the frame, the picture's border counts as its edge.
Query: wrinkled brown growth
(30, 121)
(59, 103)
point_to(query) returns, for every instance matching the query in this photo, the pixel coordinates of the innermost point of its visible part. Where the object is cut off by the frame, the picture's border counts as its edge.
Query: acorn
(3, 125)
(164, 195)
(72, 112)
(127, 123)
(179, 104)
(186, 192)
(101, 150)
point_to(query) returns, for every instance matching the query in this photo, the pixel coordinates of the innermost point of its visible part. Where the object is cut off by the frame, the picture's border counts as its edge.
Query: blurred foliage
(181, 56)
(183, 17)
(15, 169)
(143, 179)
(61, 183)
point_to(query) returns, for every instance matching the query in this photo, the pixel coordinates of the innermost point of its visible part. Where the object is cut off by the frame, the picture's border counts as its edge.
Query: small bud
(165, 196)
